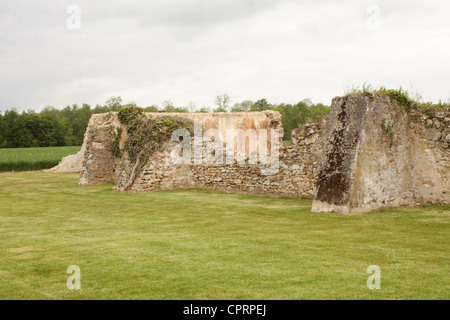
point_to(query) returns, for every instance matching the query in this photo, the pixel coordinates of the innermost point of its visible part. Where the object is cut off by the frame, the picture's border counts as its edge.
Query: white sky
(189, 51)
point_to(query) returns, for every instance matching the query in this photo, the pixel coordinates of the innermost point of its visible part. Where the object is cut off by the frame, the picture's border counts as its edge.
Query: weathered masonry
(377, 155)
(296, 175)
(368, 154)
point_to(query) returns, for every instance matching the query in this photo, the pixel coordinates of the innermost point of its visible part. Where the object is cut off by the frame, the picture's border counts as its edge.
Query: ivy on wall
(144, 137)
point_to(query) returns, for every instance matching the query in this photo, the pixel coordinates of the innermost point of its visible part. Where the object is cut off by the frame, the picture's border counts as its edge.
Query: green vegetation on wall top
(402, 97)
(144, 137)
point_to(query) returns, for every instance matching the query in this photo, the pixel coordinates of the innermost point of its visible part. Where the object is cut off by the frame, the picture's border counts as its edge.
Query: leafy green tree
(293, 116)
(3, 128)
(319, 110)
(174, 109)
(204, 110)
(169, 107)
(59, 131)
(261, 105)
(191, 107)
(9, 119)
(223, 103)
(20, 135)
(152, 108)
(243, 106)
(113, 103)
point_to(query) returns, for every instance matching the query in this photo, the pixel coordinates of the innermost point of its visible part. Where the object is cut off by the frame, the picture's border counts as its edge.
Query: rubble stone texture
(367, 155)
(377, 155)
(298, 163)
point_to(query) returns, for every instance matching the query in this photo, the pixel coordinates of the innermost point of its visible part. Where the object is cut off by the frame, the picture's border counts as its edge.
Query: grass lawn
(21, 159)
(196, 244)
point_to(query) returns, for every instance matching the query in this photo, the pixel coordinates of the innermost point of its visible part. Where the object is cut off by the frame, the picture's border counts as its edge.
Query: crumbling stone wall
(377, 155)
(99, 166)
(368, 154)
(298, 163)
(430, 147)
(296, 176)
(98, 163)
(70, 163)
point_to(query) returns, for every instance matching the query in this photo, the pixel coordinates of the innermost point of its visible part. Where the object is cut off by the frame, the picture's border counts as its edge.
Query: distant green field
(21, 159)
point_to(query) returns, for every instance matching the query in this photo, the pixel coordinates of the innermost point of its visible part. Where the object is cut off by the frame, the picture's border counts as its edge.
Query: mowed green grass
(21, 159)
(199, 244)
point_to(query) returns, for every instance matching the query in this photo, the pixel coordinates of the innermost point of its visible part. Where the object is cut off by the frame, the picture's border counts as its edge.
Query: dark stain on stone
(333, 182)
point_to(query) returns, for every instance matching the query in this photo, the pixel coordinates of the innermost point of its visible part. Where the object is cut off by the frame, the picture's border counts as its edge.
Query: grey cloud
(177, 13)
(149, 51)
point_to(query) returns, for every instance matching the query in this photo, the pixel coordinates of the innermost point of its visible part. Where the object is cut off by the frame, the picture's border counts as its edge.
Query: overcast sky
(189, 51)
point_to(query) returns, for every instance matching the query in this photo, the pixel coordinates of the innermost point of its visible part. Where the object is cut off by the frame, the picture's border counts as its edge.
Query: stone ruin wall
(98, 165)
(431, 156)
(296, 176)
(298, 163)
(377, 155)
(349, 162)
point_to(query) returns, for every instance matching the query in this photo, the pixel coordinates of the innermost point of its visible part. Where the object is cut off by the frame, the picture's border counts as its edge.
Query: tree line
(66, 127)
